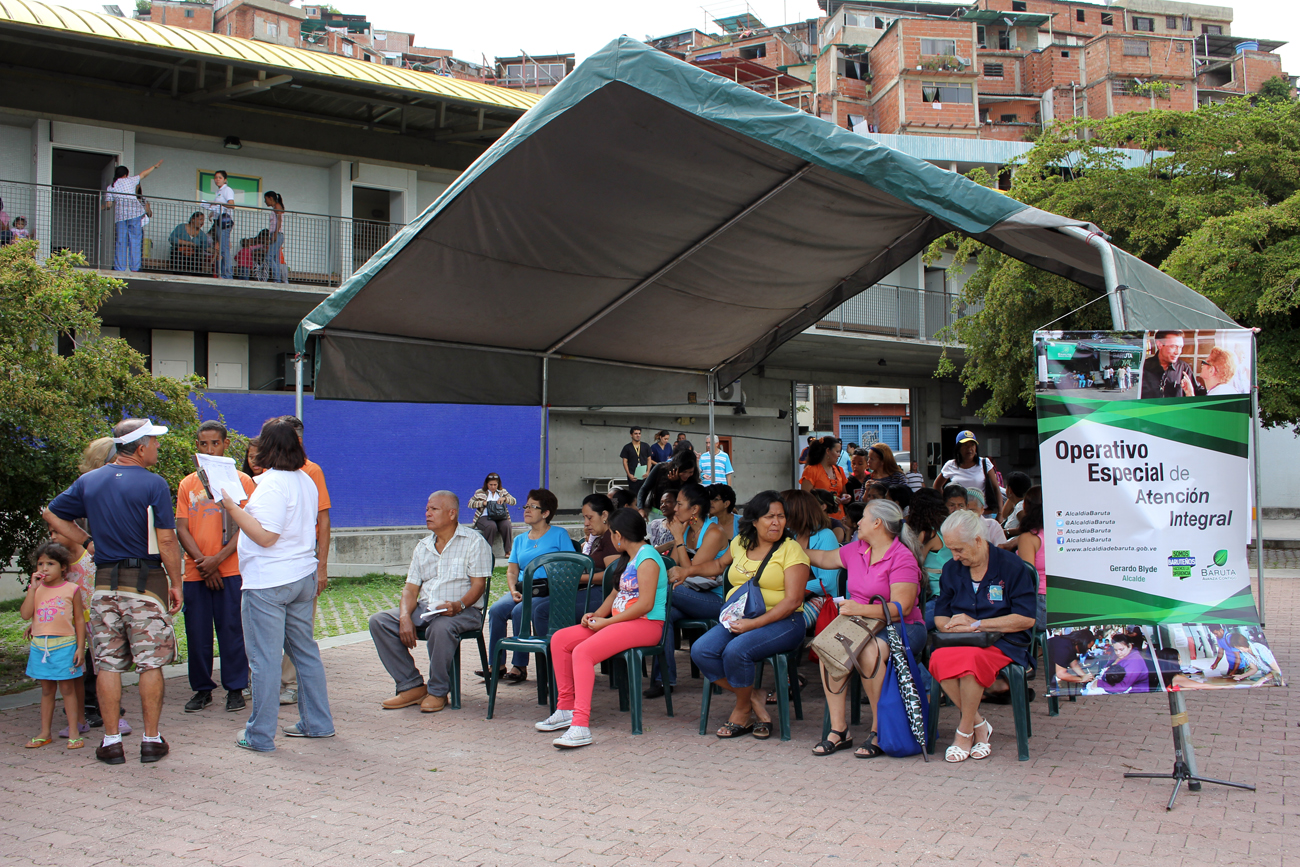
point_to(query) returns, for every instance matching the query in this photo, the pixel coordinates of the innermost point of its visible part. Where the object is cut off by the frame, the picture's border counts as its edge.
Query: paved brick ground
(403, 788)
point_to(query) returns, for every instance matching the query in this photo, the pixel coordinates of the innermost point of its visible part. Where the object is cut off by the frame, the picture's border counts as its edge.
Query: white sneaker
(576, 736)
(561, 719)
(289, 696)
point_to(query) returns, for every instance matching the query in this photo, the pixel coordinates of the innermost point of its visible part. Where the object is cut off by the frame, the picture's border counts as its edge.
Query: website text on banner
(1144, 442)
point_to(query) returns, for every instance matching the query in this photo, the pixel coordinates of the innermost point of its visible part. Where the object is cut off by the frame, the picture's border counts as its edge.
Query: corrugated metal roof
(216, 45)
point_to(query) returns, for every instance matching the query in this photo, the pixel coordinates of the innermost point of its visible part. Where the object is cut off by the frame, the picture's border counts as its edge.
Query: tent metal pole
(297, 385)
(541, 447)
(1259, 511)
(709, 447)
(1108, 273)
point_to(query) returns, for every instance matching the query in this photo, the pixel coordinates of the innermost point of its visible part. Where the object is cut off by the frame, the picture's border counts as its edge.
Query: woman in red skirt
(982, 589)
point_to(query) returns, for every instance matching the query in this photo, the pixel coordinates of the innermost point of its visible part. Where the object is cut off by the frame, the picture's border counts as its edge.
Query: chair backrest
(564, 573)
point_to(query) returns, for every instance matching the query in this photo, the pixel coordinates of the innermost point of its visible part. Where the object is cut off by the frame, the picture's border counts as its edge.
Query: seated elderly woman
(882, 562)
(728, 656)
(982, 589)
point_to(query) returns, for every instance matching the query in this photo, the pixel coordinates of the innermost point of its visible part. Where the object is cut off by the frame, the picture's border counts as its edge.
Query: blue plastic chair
(564, 573)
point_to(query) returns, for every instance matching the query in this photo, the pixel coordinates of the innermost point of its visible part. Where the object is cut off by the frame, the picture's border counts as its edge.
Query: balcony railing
(896, 311)
(317, 250)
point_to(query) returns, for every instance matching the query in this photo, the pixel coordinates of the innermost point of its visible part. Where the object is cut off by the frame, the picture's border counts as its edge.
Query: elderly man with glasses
(448, 578)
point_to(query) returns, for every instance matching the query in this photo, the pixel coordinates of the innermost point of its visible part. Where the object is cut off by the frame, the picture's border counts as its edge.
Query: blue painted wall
(382, 460)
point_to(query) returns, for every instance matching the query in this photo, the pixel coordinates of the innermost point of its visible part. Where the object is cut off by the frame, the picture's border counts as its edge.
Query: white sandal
(983, 749)
(955, 753)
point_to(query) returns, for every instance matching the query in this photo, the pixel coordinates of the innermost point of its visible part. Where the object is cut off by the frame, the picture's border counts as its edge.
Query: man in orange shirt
(212, 586)
(289, 674)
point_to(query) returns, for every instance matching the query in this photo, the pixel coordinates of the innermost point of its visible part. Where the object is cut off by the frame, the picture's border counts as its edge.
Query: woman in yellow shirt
(727, 656)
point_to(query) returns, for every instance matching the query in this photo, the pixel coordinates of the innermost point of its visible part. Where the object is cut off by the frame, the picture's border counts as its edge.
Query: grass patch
(344, 607)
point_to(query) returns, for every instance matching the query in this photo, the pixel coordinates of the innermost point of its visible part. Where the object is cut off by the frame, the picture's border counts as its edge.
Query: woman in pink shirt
(882, 561)
(1030, 547)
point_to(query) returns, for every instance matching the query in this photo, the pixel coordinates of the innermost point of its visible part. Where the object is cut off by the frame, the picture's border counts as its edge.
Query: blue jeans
(127, 238)
(687, 604)
(225, 262)
(503, 610)
(204, 610)
(929, 615)
(277, 620)
(275, 269)
(720, 654)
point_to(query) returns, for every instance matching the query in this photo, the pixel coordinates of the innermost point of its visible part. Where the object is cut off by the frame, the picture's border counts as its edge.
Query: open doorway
(373, 223)
(78, 179)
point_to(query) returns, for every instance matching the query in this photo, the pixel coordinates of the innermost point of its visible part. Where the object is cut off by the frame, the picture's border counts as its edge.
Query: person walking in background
(223, 220)
(661, 451)
(288, 676)
(715, 464)
(127, 213)
(277, 554)
(212, 586)
(136, 591)
(636, 459)
(491, 513)
(58, 636)
(277, 272)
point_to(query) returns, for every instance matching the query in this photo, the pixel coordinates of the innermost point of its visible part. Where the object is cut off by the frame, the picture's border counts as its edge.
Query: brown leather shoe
(113, 754)
(406, 698)
(152, 752)
(433, 703)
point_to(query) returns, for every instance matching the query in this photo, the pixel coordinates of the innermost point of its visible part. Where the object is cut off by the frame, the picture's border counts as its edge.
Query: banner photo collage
(1144, 442)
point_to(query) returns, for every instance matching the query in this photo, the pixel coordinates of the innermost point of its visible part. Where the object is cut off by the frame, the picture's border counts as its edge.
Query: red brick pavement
(403, 788)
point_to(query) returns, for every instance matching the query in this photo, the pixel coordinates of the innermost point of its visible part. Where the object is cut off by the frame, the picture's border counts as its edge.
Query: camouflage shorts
(126, 629)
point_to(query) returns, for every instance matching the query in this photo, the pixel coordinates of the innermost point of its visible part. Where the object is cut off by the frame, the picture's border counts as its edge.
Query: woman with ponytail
(278, 272)
(885, 560)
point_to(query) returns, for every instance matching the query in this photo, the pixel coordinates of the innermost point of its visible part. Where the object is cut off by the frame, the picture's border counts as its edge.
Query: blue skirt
(51, 656)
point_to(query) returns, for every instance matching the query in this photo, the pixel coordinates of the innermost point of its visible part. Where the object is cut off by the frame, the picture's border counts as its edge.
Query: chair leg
(623, 671)
(782, 677)
(482, 656)
(794, 686)
(704, 706)
(1019, 709)
(634, 664)
(826, 722)
(1053, 706)
(932, 724)
(668, 698)
(453, 696)
(494, 674)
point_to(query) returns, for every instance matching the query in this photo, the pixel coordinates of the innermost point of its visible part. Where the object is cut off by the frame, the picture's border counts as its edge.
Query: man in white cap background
(137, 579)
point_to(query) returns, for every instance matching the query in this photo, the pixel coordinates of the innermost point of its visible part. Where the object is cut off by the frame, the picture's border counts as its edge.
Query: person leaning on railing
(191, 248)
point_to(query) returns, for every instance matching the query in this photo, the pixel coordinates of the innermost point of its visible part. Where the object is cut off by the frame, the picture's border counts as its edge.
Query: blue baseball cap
(965, 437)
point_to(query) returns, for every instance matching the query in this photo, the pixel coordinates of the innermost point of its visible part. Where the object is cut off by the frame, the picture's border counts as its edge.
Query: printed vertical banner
(1144, 441)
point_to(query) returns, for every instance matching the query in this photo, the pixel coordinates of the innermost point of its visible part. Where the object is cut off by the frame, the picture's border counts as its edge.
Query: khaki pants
(289, 674)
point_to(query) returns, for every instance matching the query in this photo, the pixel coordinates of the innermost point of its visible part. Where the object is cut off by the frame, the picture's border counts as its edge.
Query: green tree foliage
(52, 405)
(1216, 205)
(1276, 88)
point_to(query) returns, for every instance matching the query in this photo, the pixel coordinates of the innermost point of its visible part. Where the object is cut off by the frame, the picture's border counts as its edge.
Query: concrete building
(533, 73)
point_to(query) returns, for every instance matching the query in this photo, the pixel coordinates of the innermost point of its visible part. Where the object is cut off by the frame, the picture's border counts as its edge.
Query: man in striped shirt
(715, 465)
(127, 211)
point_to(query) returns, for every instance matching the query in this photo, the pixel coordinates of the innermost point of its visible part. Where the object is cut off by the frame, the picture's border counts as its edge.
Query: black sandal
(828, 746)
(733, 730)
(873, 749)
(485, 674)
(763, 730)
(518, 676)
(771, 695)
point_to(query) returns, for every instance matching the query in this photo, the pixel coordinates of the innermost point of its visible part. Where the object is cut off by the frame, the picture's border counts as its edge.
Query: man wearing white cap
(137, 582)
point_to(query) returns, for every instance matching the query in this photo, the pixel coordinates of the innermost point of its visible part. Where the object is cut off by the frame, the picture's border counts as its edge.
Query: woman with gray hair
(884, 560)
(982, 589)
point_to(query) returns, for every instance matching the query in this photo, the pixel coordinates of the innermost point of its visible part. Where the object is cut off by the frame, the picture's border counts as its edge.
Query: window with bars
(1123, 86)
(993, 70)
(1212, 29)
(939, 46)
(935, 91)
(1080, 16)
(1137, 48)
(1144, 25)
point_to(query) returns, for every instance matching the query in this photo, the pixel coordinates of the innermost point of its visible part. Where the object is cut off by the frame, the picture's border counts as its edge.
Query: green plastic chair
(1015, 675)
(453, 698)
(564, 572)
(633, 667)
(781, 663)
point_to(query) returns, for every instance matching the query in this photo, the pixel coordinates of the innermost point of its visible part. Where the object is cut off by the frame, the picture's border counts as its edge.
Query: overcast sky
(505, 27)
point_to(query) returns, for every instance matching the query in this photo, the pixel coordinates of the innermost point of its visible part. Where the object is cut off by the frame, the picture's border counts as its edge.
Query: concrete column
(926, 427)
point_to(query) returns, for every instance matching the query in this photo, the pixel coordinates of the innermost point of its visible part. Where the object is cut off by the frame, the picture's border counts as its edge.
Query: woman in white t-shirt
(277, 562)
(970, 470)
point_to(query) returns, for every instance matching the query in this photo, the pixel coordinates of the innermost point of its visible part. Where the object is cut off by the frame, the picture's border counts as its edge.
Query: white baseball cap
(148, 429)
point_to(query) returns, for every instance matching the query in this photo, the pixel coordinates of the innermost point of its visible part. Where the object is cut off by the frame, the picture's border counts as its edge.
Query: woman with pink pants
(631, 617)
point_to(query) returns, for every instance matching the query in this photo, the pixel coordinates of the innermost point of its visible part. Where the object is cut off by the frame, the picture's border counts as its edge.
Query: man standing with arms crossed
(212, 581)
(130, 611)
(289, 674)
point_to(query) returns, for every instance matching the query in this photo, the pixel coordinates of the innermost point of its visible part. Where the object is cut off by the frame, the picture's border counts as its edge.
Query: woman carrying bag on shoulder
(970, 470)
(767, 572)
(882, 562)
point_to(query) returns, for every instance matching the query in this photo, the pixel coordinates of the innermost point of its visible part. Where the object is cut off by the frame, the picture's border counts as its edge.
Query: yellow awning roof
(216, 45)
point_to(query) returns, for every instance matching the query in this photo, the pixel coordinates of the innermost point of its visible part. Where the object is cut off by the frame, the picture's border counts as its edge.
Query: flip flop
(732, 730)
(37, 743)
(76, 743)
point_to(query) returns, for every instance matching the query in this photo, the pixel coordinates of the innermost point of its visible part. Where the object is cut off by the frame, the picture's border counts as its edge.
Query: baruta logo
(1182, 562)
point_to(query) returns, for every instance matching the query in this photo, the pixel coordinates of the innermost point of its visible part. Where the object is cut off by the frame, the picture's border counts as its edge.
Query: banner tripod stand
(1184, 756)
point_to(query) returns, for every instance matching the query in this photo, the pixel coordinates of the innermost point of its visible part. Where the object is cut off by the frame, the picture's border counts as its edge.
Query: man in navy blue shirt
(137, 582)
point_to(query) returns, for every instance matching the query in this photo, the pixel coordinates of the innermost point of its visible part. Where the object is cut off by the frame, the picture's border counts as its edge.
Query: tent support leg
(541, 448)
(1259, 512)
(711, 383)
(1108, 273)
(297, 385)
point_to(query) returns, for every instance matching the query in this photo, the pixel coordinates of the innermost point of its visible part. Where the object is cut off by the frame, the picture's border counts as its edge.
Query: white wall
(16, 153)
(426, 193)
(1280, 488)
(304, 188)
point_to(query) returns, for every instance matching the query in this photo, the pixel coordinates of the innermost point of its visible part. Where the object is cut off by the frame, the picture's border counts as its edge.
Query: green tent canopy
(648, 215)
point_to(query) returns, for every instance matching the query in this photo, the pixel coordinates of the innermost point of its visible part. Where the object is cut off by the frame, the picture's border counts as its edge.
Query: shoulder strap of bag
(770, 552)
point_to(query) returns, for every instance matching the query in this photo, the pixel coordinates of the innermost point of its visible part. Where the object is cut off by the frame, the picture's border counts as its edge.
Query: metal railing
(179, 237)
(896, 311)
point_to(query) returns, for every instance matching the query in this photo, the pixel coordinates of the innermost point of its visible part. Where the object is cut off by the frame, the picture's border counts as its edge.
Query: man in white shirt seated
(447, 581)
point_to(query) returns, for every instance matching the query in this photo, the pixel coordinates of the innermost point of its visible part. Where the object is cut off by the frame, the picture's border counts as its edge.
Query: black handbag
(496, 510)
(963, 639)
